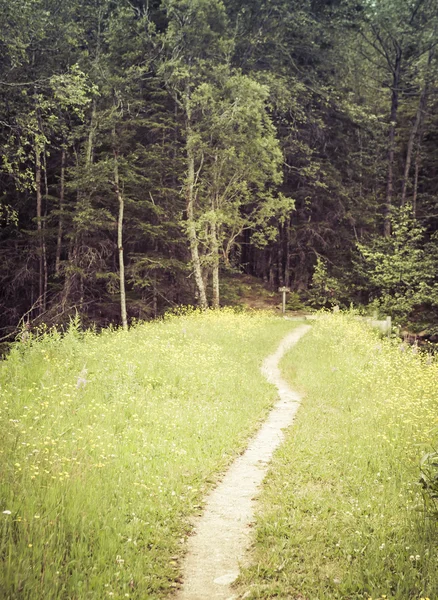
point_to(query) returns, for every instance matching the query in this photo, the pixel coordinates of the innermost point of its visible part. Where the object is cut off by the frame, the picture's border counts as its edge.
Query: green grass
(341, 513)
(109, 443)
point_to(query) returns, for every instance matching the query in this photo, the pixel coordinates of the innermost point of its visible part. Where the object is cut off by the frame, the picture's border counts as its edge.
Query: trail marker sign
(284, 290)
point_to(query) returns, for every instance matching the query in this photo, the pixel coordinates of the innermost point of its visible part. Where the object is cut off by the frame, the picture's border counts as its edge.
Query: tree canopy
(150, 147)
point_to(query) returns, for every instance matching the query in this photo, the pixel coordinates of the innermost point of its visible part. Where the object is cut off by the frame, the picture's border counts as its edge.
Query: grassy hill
(109, 443)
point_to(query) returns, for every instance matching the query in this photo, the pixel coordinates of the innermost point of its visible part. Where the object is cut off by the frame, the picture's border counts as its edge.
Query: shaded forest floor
(249, 292)
(254, 293)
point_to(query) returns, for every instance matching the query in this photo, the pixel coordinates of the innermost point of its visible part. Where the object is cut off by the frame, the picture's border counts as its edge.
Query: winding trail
(222, 534)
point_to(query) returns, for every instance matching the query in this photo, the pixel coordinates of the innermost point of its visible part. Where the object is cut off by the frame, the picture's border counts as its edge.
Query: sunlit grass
(342, 514)
(110, 441)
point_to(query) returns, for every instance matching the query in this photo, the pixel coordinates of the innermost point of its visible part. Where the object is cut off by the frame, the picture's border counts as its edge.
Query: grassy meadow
(109, 442)
(341, 513)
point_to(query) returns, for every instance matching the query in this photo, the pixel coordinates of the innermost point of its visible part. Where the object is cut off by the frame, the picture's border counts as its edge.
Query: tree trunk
(39, 208)
(359, 137)
(120, 240)
(90, 141)
(60, 221)
(391, 145)
(417, 171)
(287, 266)
(81, 292)
(43, 241)
(191, 226)
(215, 254)
(155, 297)
(271, 271)
(412, 137)
(76, 273)
(280, 255)
(69, 278)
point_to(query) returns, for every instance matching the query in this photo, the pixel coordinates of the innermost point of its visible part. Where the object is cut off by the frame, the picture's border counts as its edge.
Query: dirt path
(222, 534)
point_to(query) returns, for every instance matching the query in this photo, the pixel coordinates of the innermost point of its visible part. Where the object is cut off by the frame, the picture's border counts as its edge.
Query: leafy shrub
(294, 302)
(325, 291)
(398, 272)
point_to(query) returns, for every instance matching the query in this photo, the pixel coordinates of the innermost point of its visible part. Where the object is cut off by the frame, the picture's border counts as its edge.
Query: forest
(152, 148)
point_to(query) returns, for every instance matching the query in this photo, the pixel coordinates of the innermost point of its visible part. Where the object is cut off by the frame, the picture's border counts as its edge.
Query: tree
(240, 163)
(148, 148)
(401, 270)
(399, 33)
(197, 43)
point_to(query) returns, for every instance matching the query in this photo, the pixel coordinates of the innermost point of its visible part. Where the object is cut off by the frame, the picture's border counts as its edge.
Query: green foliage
(72, 91)
(235, 144)
(8, 215)
(400, 271)
(285, 110)
(294, 302)
(325, 291)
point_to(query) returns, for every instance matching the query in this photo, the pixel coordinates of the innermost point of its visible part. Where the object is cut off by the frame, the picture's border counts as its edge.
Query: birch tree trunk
(391, 144)
(417, 172)
(155, 297)
(215, 271)
(60, 221)
(120, 242)
(412, 137)
(191, 225)
(287, 277)
(280, 255)
(90, 141)
(43, 227)
(39, 208)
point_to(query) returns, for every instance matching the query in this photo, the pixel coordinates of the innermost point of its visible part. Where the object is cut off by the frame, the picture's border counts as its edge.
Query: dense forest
(149, 149)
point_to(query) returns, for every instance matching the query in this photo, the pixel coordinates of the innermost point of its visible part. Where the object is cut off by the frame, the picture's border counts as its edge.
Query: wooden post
(284, 290)
(388, 326)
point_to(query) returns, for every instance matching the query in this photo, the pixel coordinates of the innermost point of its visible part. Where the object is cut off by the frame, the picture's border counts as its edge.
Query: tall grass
(342, 513)
(110, 441)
